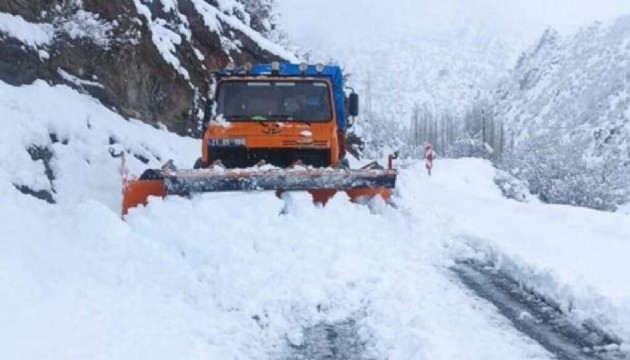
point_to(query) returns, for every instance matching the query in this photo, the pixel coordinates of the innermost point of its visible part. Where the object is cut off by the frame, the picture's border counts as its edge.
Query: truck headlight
(230, 142)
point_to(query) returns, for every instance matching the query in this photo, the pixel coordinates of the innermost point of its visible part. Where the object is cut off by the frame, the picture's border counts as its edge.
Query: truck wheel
(343, 164)
(199, 164)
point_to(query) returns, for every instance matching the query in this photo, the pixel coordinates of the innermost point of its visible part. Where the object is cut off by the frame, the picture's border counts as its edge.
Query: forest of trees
(477, 134)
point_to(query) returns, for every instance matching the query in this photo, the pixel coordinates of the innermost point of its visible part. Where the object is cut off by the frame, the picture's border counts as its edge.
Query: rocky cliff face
(147, 59)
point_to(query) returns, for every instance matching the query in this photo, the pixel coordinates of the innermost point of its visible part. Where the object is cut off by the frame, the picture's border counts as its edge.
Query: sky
(308, 21)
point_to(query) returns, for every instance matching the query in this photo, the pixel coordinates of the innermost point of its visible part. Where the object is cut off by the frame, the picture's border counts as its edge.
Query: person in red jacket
(429, 155)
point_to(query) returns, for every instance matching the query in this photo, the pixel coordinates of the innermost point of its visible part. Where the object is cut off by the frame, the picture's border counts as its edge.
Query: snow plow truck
(277, 126)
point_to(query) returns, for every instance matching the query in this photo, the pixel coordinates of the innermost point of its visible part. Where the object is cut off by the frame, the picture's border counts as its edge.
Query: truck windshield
(307, 101)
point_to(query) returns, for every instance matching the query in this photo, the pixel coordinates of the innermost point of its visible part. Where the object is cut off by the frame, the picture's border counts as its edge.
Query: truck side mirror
(353, 104)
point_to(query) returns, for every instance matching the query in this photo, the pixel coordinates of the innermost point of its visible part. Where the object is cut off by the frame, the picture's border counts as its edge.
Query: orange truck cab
(278, 114)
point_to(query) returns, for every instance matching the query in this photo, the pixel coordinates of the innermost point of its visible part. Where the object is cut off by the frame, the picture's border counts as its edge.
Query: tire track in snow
(539, 320)
(338, 341)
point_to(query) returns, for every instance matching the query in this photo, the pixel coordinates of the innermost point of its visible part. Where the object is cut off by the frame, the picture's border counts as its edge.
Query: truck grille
(241, 157)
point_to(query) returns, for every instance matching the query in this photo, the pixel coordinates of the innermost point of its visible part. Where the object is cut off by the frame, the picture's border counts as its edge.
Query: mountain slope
(566, 111)
(146, 59)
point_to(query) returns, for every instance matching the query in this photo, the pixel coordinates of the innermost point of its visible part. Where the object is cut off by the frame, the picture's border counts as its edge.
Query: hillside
(146, 59)
(566, 113)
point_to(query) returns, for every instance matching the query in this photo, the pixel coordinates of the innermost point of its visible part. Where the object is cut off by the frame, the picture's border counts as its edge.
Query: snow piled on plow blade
(198, 181)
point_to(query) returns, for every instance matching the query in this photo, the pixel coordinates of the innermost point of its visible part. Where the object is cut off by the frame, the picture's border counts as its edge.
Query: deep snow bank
(224, 276)
(54, 139)
(573, 255)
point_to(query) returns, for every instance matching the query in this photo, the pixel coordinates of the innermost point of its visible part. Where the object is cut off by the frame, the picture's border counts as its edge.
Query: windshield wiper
(271, 117)
(234, 117)
(259, 117)
(281, 116)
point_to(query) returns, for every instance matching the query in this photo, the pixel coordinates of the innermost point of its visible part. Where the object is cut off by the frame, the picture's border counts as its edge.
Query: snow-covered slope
(566, 111)
(56, 142)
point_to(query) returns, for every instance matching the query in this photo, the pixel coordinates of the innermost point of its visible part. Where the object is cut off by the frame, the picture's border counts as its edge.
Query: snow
(85, 24)
(565, 110)
(199, 54)
(43, 54)
(88, 129)
(215, 276)
(75, 80)
(226, 276)
(29, 33)
(169, 5)
(164, 38)
(212, 18)
(220, 120)
(81, 24)
(575, 256)
(169, 32)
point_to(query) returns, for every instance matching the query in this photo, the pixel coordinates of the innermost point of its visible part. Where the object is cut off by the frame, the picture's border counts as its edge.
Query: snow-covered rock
(145, 59)
(59, 146)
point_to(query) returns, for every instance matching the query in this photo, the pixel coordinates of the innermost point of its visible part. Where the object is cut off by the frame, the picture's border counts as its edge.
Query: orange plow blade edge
(137, 192)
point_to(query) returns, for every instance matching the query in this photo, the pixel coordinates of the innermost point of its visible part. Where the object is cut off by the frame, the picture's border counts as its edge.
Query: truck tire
(343, 164)
(199, 164)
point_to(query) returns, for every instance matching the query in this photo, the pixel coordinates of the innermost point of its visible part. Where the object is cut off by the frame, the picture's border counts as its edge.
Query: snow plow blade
(321, 184)
(200, 181)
